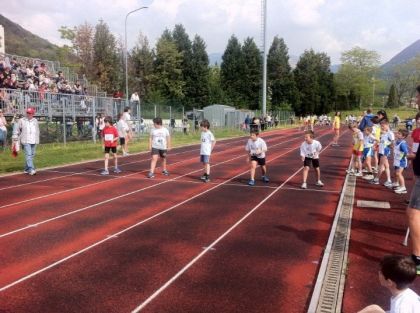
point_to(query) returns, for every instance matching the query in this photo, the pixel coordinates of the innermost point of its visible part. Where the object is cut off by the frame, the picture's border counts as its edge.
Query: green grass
(54, 154)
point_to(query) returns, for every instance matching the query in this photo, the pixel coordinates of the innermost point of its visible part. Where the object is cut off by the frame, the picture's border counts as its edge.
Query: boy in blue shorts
(369, 141)
(256, 148)
(159, 144)
(400, 161)
(207, 145)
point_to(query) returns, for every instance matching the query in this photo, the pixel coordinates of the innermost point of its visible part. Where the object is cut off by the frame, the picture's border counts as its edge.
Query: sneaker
(117, 170)
(251, 182)
(374, 181)
(358, 174)
(265, 179)
(304, 186)
(204, 176)
(368, 177)
(375, 170)
(26, 171)
(401, 190)
(395, 185)
(319, 183)
(207, 179)
(105, 172)
(150, 175)
(125, 154)
(32, 172)
(351, 171)
(388, 184)
(165, 172)
(365, 170)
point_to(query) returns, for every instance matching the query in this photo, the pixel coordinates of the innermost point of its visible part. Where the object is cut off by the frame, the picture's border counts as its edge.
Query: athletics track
(74, 241)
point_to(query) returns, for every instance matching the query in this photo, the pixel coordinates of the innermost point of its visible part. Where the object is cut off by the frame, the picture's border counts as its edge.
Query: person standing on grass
(400, 161)
(207, 145)
(3, 130)
(27, 131)
(413, 210)
(127, 118)
(159, 144)
(110, 138)
(396, 274)
(309, 152)
(123, 130)
(256, 148)
(336, 128)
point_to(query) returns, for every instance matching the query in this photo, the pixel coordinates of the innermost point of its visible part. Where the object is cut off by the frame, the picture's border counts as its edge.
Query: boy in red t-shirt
(110, 137)
(416, 134)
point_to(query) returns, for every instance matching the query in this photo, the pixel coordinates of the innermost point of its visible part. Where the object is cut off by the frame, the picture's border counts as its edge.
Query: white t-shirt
(122, 128)
(406, 302)
(386, 140)
(159, 136)
(127, 118)
(310, 150)
(252, 147)
(206, 140)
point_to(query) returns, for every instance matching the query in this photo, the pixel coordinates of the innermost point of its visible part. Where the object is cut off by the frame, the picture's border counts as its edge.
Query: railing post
(155, 110)
(94, 119)
(63, 103)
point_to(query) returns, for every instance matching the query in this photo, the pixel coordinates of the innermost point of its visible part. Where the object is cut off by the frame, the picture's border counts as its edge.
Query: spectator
(247, 122)
(27, 131)
(395, 121)
(396, 274)
(135, 98)
(366, 120)
(3, 130)
(382, 115)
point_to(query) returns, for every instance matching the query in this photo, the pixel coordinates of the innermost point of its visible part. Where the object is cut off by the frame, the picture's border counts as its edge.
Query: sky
(331, 26)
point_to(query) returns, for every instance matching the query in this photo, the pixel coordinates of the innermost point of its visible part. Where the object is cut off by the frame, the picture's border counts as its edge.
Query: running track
(74, 241)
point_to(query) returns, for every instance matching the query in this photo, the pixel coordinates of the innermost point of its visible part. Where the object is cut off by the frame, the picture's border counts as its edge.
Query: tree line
(177, 71)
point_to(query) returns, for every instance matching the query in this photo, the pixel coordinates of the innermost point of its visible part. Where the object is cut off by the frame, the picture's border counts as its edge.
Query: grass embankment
(402, 112)
(54, 154)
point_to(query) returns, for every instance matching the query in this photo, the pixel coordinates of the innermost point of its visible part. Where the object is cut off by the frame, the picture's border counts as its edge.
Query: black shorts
(309, 161)
(113, 149)
(162, 153)
(260, 161)
(122, 141)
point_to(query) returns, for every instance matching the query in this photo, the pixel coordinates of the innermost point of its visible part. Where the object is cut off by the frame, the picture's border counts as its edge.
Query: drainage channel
(329, 288)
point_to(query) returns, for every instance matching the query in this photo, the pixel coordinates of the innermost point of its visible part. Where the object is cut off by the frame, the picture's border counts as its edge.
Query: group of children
(377, 144)
(160, 144)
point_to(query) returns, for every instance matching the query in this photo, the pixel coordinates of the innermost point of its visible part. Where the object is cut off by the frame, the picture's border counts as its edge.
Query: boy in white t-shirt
(207, 145)
(396, 274)
(159, 144)
(123, 130)
(256, 148)
(309, 152)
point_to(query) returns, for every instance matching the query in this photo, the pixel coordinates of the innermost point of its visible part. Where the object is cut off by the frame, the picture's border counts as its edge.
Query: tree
(167, 77)
(231, 71)
(216, 93)
(279, 75)
(251, 78)
(105, 58)
(141, 67)
(198, 90)
(358, 68)
(392, 101)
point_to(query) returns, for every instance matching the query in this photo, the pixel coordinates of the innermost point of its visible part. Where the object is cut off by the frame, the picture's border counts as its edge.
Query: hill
(22, 42)
(403, 57)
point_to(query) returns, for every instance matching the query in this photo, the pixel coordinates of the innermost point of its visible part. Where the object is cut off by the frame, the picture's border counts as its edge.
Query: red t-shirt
(110, 133)
(416, 135)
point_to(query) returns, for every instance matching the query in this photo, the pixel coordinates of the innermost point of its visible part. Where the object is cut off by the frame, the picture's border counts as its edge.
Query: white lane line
(112, 236)
(211, 246)
(104, 181)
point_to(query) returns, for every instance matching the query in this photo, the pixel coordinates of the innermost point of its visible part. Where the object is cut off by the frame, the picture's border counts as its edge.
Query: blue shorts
(367, 152)
(387, 153)
(205, 159)
(403, 164)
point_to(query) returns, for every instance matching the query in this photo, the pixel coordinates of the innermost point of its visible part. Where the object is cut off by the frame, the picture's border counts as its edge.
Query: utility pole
(264, 44)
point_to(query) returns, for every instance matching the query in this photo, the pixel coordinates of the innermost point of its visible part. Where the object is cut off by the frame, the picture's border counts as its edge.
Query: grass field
(54, 154)
(402, 112)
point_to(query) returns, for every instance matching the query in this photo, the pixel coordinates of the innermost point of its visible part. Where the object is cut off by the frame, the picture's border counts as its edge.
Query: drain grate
(328, 292)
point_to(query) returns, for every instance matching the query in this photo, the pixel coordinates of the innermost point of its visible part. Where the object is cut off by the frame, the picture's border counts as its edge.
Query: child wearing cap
(110, 139)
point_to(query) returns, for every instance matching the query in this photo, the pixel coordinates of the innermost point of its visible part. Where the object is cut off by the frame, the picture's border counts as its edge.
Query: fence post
(170, 114)
(63, 103)
(94, 119)
(155, 110)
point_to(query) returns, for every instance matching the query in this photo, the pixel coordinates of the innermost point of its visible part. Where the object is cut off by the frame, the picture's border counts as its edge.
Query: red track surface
(374, 234)
(85, 251)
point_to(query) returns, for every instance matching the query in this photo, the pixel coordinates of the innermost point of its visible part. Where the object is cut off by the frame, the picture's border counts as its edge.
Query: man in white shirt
(28, 133)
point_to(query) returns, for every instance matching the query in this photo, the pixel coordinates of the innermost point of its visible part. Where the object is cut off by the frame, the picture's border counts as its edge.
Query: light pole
(126, 51)
(264, 22)
(373, 91)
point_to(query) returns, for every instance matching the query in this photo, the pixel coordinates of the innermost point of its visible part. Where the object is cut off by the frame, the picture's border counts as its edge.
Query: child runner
(400, 161)
(356, 158)
(396, 274)
(110, 138)
(368, 142)
(376, 131)
(207, 144)
(123, 131)
(336, 128)
(309, 151)
(415, 135)
(159, 144)
(256, 148)
(385, 145)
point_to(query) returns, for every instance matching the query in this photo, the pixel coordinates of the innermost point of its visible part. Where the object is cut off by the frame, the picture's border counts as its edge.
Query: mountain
(403, 57)
(19, 41)
(215, 58)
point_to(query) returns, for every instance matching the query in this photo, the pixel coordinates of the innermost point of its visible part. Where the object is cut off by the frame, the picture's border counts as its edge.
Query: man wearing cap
(28, 133)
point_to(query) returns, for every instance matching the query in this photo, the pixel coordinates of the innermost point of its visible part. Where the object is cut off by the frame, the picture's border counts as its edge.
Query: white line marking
(128, 228)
